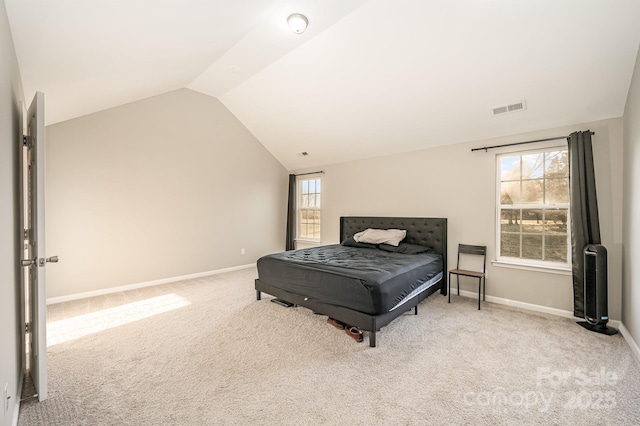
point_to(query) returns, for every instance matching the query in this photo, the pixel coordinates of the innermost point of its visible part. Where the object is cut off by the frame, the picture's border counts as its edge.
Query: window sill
(308, 240)
(560, 270)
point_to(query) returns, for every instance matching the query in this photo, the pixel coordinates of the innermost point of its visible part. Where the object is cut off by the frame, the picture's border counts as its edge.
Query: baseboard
(54, 300)
(529, 306)
(632, 343)
(559, 312)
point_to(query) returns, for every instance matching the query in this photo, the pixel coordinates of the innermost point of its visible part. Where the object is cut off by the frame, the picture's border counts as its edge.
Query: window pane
(556, 164)
(538, 179)
(318, 186)
(557, 191)
(510, 168)
(555, 248)
(532, 220)
(510, 192)
(510, 245)
(532, 191)
(510, 220)
(532, 247)
(555, 222)
(309, 208)
(532, 166)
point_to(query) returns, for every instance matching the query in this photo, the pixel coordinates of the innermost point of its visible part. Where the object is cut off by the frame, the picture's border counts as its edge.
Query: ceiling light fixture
(298, 23)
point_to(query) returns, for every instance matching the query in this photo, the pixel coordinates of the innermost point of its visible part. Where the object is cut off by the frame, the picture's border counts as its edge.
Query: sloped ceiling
(368, 77)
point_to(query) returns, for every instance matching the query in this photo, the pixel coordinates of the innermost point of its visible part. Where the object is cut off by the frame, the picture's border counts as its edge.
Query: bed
(364, 286)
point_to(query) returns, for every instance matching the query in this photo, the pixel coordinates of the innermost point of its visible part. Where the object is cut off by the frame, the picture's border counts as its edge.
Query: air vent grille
(504, 109)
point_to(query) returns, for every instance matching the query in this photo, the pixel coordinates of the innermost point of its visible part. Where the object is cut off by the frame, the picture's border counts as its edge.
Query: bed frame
(430, 232)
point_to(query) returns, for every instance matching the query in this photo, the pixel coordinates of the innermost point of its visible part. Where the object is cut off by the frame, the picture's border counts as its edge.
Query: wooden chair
(469, 250)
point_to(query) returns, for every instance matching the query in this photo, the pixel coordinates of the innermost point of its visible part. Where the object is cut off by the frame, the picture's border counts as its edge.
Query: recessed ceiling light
(298, 23)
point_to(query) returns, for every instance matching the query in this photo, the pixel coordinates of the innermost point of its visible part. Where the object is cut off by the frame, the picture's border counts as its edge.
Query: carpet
(210, 354)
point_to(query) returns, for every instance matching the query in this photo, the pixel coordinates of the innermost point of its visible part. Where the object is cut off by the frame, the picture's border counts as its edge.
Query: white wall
(453, 182)
(11, 321)
(165, 187)
(631, 240)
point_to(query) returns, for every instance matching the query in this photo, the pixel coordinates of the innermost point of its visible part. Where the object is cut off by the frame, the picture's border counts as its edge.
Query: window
(309, 191)
(533, 208)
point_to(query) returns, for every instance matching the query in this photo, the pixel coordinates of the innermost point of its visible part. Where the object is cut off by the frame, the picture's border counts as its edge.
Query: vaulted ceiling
(367, 78)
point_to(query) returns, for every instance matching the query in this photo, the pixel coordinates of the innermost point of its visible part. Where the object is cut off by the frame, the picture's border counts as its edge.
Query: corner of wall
(630, 341)
(631, 208)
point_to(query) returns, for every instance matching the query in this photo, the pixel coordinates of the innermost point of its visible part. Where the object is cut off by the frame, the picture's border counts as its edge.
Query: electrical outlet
(5, 398)
(242, 251)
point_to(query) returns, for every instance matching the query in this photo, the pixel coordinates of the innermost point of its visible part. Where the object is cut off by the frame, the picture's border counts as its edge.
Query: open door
(36, 260)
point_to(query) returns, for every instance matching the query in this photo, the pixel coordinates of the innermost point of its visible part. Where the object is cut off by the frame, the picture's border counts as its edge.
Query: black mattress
(367, 280)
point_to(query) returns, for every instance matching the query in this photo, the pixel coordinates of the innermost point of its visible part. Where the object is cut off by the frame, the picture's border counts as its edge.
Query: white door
(35, 235)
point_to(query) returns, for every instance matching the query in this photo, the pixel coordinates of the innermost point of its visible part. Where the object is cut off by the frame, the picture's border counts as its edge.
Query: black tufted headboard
(425, 231)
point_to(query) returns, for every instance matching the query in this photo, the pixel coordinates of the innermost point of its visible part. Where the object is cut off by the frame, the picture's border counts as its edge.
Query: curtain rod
(485, 148)
(311, 173)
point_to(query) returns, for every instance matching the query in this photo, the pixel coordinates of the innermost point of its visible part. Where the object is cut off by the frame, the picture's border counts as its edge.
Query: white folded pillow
(380, 236)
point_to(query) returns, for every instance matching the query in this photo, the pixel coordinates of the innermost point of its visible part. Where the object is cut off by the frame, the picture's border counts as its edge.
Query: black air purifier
(595, 290)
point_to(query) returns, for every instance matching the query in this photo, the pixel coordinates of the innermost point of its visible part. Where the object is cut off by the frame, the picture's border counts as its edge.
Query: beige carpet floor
(205, 352)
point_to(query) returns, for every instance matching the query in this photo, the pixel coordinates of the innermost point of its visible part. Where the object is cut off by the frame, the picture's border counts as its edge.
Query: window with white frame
(533, 208)
(309, 194)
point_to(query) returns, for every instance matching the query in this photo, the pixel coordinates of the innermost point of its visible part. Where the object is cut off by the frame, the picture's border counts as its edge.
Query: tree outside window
(310, 190)
(533, 206)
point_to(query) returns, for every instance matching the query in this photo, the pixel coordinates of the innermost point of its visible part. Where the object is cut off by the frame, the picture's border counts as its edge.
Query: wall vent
(500, 110)
(504, 109)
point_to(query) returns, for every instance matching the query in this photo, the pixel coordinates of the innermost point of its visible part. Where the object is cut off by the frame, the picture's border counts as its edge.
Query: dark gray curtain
(291, 215)
(585, 226)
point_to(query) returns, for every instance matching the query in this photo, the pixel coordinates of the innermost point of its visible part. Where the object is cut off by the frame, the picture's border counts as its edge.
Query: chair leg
(479, 286)
(458, 278)
(484, 288)
(449, 287)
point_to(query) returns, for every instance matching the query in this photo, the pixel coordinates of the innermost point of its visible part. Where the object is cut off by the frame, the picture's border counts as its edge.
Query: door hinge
(26, 234)
(27, 327)
(27, 140)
